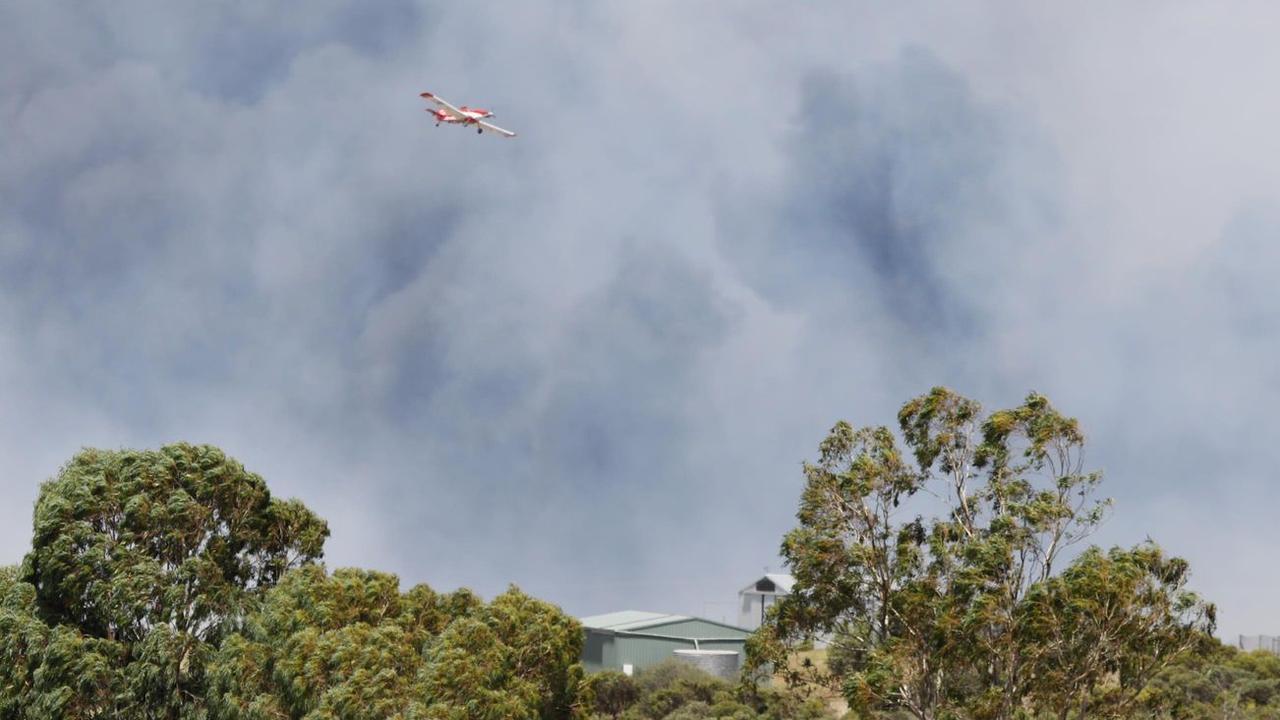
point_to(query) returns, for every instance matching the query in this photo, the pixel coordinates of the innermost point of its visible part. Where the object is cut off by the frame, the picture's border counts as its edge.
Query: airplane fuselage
(473, 115)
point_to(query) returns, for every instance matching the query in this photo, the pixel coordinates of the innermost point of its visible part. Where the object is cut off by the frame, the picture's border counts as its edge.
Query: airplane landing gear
(479, 130)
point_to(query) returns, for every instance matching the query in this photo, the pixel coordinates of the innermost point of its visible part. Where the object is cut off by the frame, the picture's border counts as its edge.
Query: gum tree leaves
(182, 537)
(141, 562)
(939, 581)
(350, 645)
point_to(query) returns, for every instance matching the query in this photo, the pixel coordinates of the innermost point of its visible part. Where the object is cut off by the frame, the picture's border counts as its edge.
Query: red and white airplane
(447, 113)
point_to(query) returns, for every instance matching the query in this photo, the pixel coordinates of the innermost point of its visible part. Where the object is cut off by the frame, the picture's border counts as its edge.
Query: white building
(757, 597)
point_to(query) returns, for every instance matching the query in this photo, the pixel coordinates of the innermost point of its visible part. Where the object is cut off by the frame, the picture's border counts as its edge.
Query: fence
(1270, 643)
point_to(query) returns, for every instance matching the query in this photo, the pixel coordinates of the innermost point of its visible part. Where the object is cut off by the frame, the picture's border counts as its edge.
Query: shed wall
(738, 645)
(643, 652)
(608, 650)
(597, 651)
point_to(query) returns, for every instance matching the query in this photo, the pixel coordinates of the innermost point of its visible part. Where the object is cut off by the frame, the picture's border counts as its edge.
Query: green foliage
(546, 646)
(170, 585)
(469, 676)
(350, 645)
(611, 693)
(140, 563)
(48, 672)
(968, 614)
(1219, 683)
(678, 691)
(1107, 626)
(334, 646)
(182, 537)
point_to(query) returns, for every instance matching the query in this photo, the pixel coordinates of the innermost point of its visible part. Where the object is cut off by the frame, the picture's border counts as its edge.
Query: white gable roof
(629, 620)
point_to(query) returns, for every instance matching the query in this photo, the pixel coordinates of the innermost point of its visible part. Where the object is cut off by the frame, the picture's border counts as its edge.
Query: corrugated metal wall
(605, 651)
(643, 652)
(594, 649)
(739, 645)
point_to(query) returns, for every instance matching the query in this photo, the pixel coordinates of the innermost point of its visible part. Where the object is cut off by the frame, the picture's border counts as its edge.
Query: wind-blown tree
(346, 645)
(1106, 627)
(51, 672)
(1219, 683)
(968, 613)
(146, 560)
(350, 645)
(546, 649)
(468, 675)
(170, 585)
(182, 537)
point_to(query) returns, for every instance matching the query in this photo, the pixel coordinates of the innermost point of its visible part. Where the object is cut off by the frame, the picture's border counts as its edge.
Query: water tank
(721, 663)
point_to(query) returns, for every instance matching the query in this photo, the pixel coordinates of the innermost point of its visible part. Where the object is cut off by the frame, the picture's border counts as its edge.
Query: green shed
(631, 640)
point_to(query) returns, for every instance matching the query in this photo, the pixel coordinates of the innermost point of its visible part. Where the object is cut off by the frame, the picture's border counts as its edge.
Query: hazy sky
(591, 360)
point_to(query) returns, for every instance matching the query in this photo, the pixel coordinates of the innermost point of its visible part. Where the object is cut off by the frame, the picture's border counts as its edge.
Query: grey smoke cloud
(590, 360)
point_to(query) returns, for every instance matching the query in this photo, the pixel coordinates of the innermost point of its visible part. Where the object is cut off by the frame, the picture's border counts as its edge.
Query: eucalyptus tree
(349, 645)
(184, 538)
(141, 562)
(51, 671)
(937, 569)
(171, 585)
(546, 650)
(1107, 626)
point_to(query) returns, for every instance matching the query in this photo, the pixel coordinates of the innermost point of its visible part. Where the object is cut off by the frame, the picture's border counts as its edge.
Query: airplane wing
(495, 129)
(443, 104)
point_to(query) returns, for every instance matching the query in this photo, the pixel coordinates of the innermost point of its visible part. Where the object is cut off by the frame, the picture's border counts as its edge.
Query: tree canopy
(1221, 683)
(140, 563)
(182, 538)
(944, 564)
(676, 691)
(940, 572)
(171, 585)
(351, 645)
